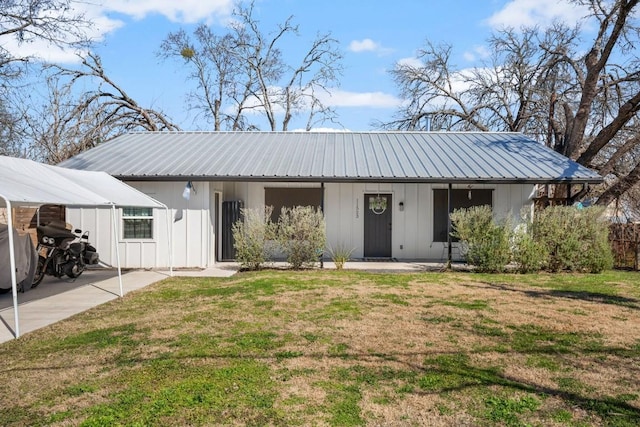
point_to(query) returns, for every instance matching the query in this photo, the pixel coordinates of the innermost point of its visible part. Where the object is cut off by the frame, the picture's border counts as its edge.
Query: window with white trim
(137, 223)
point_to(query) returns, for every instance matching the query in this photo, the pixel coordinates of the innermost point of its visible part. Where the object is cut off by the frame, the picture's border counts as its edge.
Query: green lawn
(339, 348)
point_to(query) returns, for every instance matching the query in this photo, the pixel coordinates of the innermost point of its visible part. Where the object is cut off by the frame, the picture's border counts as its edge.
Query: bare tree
(11, 133)
(53, 21)
(72, 120)
(22, 22)
(282, 87)
(215, 69)
(244, 70)
(585, 106)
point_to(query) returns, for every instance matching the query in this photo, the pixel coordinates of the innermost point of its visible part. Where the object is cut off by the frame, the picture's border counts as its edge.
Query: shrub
(301, 234)
(252, 238)
(560, 238)
(484, 242)
(575, 239)
(340, 255)
(554, 229)
(528, 254)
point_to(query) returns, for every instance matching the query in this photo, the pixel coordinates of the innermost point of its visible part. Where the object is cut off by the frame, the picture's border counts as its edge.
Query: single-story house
(384, 194)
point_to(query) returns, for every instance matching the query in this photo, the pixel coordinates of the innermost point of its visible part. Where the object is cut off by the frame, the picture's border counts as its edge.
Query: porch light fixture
(401, 206)
(377, 204)
(187, 190)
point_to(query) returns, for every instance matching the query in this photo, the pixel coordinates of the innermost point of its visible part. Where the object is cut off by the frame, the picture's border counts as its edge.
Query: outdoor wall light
(401, 206)
(188, 189)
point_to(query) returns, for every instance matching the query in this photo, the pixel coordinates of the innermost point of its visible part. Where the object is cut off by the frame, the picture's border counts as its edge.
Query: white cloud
(103, 18)
(519, 13)
(410, 62)
(183, 11)
(41, 50)
(368, 45)
(341, 98)
(478, 52)
(365, 45)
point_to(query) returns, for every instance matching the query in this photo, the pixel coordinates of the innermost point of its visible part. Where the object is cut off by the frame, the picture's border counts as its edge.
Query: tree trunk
(620, 187)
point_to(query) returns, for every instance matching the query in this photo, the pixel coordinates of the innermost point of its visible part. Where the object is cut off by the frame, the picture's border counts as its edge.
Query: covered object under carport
(28, 183)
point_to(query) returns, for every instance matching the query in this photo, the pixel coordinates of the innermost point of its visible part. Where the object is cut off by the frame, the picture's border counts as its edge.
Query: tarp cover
(26, 259)
(25, 182)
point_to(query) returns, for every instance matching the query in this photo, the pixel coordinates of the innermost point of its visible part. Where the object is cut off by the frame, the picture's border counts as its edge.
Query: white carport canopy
(28, 183)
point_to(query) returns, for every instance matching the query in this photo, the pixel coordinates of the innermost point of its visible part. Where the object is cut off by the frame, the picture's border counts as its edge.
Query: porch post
(449, 226)
(325, 230)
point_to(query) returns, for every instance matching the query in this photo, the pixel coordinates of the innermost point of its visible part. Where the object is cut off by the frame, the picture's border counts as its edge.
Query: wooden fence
(625, 242)
(25, 218)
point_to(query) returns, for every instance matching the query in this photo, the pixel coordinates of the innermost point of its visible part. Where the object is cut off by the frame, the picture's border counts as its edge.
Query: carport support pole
(117, 240)
(169, 239)
(12, 265)
(449, 256)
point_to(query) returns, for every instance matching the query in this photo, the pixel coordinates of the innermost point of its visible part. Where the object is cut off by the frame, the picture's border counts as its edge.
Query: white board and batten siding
(412, 228)
(195, 235)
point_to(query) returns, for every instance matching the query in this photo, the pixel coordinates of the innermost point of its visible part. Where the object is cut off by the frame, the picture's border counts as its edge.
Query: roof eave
(329, 179)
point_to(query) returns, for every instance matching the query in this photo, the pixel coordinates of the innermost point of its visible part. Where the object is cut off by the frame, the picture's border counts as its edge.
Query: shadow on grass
(460, 375)
(441, 372)
(596, 297)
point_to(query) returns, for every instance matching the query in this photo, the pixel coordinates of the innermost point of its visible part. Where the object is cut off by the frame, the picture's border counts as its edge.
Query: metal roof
(332, 157)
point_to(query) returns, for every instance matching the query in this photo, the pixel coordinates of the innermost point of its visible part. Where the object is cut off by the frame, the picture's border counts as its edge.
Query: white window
(137, 223)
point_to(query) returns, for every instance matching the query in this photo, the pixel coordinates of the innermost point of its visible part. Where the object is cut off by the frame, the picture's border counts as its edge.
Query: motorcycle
(62, 252)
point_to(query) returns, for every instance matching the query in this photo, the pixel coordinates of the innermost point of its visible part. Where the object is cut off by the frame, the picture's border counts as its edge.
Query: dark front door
(377, 225)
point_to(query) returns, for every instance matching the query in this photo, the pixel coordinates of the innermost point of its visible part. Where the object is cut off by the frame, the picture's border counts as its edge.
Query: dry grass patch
(339, 348)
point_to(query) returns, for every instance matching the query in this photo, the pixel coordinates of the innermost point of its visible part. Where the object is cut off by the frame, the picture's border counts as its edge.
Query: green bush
(301, 234)
(575, 239)
(560, 238)
(252, 238)
(484, 242)
(528, 254)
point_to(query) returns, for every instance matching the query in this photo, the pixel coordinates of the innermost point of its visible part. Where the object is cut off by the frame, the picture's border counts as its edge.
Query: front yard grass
(339, 348)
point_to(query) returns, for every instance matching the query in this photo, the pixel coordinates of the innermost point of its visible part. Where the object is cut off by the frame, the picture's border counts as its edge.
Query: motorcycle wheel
(75, 271)
(37, 278)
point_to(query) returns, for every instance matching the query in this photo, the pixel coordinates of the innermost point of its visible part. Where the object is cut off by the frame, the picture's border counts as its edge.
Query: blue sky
(373, 35)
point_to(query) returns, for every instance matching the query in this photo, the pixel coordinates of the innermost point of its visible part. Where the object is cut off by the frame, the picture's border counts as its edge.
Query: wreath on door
(377, 204)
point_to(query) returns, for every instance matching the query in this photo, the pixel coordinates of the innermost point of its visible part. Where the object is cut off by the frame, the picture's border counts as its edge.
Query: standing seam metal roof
(332, 156)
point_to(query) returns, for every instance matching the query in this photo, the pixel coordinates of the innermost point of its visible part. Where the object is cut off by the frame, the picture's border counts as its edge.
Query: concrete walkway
(57, 299)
